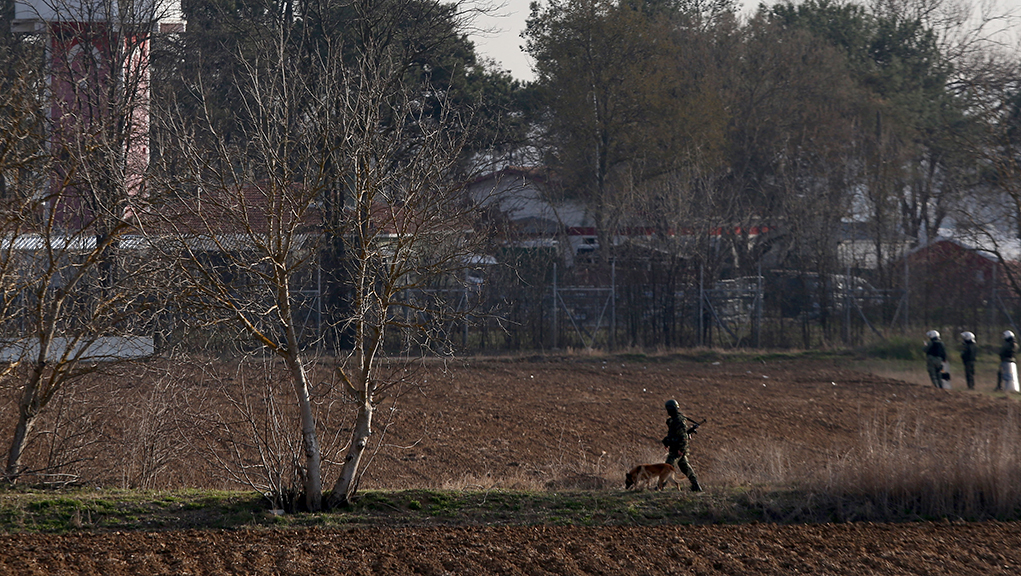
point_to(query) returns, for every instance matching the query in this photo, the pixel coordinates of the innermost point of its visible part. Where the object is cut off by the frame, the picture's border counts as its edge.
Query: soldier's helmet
(932, 334)
(671, 406)
(967, 336)
(1008, 335)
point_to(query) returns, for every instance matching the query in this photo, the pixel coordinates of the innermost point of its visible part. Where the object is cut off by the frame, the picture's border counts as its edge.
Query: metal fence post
(701, 295)
(907, 293)
(992, 304)
(555, 305)
(758, 309)
(613, 304)
(847, 306)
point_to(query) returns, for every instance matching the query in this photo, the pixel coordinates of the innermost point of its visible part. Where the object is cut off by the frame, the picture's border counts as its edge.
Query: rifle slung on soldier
(695, 425)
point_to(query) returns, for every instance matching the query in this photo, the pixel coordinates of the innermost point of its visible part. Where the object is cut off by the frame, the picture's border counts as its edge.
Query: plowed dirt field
(577, 424)
(915, 548)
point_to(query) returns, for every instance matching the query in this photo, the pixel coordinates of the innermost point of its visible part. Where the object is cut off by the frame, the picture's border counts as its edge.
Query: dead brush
(768, 463)
(907, 466)
(605, 471)
(584, 471)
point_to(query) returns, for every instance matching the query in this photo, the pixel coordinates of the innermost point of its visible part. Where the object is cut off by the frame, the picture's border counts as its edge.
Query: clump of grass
(767, 463)
(897, 348)
(27, 509)
(906, 468)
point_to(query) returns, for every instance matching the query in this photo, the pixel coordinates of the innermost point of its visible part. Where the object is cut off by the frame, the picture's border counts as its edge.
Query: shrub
(897, 348)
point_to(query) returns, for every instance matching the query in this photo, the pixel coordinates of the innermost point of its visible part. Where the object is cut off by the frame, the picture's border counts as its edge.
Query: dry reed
(909, 467)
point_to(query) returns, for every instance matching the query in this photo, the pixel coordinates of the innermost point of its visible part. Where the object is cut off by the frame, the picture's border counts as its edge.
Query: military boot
(695, 487)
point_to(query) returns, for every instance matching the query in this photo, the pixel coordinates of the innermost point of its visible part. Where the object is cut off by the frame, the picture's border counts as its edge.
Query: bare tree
(347, 126)
(623, 104)
(992, 219)
(409, 228)
(240, 218)
(79, 290)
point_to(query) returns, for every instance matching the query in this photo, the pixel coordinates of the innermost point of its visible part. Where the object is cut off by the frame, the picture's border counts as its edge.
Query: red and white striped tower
(97, 54)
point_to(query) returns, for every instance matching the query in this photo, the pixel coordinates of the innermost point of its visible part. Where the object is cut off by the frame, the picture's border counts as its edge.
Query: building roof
(34, 15)
(949, 245)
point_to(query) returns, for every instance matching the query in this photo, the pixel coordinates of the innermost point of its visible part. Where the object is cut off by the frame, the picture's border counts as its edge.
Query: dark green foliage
(898, 348)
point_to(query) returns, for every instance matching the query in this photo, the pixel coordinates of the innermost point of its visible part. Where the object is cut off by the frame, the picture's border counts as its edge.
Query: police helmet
(671, 406)
(932, 334)
(967, 336)
(1008, 335)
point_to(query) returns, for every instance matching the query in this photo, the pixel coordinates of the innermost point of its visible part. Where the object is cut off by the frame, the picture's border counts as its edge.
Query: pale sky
(504, 44)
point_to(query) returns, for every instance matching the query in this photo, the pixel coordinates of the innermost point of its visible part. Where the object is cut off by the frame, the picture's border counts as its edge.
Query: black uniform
(935, 356)
(1008, 350)
(968, 355)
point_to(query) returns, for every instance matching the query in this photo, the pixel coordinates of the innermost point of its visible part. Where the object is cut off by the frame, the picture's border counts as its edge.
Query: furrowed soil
(574, 426)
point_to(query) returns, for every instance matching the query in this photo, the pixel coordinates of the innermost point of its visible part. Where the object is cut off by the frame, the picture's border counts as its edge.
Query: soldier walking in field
(935, 356)
(677, 442)
(968, 354)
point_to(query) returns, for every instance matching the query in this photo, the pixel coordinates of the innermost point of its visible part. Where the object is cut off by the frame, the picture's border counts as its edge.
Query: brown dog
(646, 472)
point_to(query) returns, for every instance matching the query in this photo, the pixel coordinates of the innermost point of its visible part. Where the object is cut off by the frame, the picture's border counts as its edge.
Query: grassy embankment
(26, 510)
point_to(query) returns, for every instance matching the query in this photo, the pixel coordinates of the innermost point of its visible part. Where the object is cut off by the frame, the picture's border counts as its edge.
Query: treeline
(814, 140)
(822, 121)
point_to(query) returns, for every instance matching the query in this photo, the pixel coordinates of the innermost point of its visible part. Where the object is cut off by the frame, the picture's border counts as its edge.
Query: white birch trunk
(345, 486)
(27, 415)
(28, 408)
(310, 443)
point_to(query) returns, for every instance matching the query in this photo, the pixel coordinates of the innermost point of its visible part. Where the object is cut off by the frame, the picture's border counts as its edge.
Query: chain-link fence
(616, 305)
(529, 299)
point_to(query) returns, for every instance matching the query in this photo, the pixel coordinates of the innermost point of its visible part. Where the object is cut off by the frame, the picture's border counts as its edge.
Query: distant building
(947, 276)
(951, 264)
(857, 246)
(521, 201)
(98, 74)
